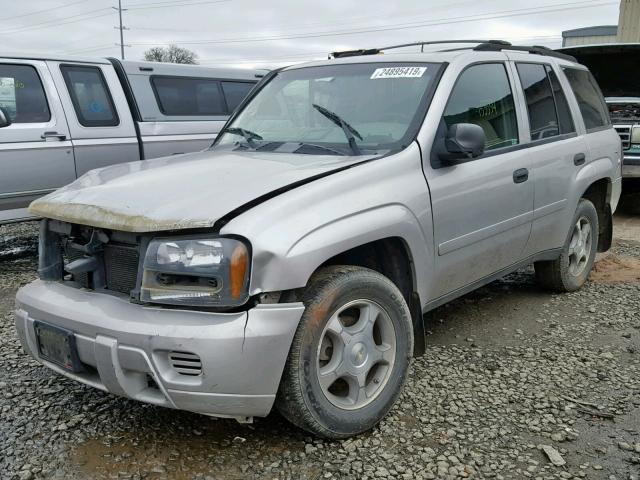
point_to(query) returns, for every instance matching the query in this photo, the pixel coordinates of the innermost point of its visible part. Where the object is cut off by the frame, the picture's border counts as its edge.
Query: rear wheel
(569, 272)
(350, 354)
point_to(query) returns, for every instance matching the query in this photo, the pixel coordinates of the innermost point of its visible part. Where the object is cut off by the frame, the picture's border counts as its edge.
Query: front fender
(293, 234)
(294, 267)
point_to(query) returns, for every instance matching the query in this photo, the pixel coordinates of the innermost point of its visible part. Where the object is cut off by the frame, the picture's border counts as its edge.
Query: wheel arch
(599, 193)
(390, 256)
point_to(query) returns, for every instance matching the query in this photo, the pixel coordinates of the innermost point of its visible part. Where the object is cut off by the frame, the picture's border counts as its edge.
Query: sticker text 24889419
(398, 72)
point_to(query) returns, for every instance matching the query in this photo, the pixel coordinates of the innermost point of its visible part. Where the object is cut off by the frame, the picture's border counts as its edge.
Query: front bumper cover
(127, 345)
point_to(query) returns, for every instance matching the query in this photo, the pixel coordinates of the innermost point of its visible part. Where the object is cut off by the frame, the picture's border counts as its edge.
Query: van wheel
(569, 272)
(350, 355)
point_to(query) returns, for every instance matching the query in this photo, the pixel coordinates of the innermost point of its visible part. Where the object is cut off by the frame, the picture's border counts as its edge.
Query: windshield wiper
(321, 147)
(247, 134)
(348, 130)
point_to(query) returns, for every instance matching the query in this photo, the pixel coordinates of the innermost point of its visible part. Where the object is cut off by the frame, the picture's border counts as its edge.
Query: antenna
(121, 28)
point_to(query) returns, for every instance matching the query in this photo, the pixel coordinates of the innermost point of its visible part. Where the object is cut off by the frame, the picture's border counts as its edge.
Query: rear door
(100, 122)
(556, 151)
(36, 154)
(482, 207)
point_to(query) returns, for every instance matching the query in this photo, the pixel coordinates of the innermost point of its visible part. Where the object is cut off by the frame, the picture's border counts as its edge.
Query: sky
(266, 34)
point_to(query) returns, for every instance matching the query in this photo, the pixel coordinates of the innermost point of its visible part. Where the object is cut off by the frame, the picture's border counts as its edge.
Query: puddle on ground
(218, 449)
(616, 268)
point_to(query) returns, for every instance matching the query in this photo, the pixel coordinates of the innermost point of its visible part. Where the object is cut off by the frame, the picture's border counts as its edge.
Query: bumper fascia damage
(127, 346)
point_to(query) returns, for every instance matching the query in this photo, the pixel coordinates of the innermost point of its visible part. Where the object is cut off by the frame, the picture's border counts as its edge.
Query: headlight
(195, 271)
(635, 135)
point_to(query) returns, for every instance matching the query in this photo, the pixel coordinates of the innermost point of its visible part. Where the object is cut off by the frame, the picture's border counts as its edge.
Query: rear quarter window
(590, 100)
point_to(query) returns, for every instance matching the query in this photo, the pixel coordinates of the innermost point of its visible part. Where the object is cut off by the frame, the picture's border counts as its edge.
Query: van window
(90, 96)
(188, 96)
(234, 93)
(543, 118)
(483, 96)
(592, 105)
(562, 106)
(22, 95)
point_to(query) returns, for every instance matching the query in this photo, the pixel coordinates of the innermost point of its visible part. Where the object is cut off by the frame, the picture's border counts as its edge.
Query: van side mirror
(5, 119)
(463, 141)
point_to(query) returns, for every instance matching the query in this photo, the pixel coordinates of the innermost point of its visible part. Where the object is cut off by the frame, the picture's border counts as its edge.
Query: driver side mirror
(463, 141)
(5, 119)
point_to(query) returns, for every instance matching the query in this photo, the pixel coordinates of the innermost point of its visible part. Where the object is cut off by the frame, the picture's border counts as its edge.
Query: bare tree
(171, 54)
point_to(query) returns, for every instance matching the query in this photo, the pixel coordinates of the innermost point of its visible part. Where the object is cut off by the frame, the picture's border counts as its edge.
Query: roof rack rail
(375, 51)
(535, 49)
(481, 46)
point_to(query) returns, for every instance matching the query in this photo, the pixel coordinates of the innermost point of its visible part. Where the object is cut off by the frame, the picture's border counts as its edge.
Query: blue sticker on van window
(96, 107)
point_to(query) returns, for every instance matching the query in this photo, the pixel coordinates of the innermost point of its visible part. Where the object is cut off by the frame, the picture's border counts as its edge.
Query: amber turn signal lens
(238, 271)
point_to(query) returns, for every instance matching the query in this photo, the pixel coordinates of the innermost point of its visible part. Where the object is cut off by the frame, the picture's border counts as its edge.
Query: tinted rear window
(90, 96)
(234, 93)
(22, 95)
(592, 105)
(188, 96)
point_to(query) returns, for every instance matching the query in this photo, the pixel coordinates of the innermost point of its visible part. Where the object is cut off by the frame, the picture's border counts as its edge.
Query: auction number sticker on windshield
(398, 72)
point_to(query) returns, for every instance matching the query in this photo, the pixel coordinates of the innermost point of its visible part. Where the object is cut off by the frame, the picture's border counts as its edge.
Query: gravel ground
(509, 369)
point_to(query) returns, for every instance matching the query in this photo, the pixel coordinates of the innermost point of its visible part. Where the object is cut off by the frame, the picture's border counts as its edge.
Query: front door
(482, 208)
(36, 155)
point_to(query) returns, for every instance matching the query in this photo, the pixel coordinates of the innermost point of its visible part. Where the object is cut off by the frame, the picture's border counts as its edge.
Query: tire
(567, 274)
(362, 305)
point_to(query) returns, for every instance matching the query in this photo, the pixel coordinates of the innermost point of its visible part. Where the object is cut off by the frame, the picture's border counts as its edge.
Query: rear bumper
(631, 166)
(128, 347)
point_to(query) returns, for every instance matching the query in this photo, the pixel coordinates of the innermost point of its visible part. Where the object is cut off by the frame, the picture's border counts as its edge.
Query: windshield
(347, 109)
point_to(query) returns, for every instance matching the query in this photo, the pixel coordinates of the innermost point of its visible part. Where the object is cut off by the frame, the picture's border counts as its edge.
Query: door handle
(59, 136)
(579, 159)
(520, 175)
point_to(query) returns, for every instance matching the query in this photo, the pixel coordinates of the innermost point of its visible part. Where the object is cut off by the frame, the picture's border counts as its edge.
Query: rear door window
(183, 96)
(483, 96)
(234, 93)
(90, 96)
(543, 120)
(590, 100)
(22, 94)
(562, 106)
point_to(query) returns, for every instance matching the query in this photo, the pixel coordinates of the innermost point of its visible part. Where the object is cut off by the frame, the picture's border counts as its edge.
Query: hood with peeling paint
(187, 191)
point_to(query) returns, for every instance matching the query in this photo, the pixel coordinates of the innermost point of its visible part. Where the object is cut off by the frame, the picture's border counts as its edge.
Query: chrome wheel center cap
(358, 355)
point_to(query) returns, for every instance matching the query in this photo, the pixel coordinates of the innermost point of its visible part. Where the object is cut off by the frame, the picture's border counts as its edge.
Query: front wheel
(350, 355)
(569, 272)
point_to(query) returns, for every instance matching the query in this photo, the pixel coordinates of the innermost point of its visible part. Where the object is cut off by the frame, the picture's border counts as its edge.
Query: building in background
(590, 35)
(627, 30)
(629, 21)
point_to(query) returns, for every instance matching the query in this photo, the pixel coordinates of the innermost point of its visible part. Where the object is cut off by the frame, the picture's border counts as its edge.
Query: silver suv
(291, 263)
